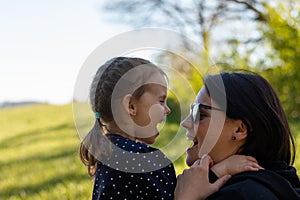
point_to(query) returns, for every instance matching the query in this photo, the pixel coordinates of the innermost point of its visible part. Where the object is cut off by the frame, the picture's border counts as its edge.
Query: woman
(255, 125)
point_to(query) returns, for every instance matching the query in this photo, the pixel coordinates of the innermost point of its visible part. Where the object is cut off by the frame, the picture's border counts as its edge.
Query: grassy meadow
(39, 154)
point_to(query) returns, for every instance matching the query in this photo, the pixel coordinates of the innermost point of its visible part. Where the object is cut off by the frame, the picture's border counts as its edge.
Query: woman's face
(221, 145)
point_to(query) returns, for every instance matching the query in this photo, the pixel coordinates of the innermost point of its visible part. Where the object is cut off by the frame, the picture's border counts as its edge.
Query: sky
(43, 44)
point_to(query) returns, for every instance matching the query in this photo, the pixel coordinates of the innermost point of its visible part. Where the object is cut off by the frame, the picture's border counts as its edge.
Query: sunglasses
(195, 111)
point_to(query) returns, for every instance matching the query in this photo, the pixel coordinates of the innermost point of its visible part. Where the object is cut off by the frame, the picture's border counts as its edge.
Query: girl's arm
(235, 164)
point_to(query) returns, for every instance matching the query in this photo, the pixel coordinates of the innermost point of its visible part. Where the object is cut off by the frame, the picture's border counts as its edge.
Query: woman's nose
(187, 122)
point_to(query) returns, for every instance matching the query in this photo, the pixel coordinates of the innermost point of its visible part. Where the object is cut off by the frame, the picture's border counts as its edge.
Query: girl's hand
(193, 183)
(236, 164)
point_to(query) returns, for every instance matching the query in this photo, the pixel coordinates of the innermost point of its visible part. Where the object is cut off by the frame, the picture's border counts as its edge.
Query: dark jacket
(277, 182)
(134, 171)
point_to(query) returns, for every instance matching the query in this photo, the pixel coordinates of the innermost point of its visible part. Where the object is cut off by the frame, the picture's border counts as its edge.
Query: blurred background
(44, 44)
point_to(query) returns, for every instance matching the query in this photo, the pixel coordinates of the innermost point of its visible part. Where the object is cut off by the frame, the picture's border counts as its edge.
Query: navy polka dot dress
(134, 171)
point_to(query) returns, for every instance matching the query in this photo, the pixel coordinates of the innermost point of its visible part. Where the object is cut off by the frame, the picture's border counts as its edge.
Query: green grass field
(39, 154)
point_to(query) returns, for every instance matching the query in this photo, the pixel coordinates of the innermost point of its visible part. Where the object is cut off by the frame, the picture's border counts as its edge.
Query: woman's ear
(128, 106)
(241, 131)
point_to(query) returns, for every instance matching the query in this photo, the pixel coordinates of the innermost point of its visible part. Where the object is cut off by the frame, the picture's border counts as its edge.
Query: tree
(260, 35)
(283, 33)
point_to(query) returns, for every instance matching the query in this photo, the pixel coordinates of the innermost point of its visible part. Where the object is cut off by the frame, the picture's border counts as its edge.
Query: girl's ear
(241, 132)
(128, 106)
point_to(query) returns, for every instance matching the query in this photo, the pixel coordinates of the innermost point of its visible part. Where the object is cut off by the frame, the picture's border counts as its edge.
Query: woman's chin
(192, 154)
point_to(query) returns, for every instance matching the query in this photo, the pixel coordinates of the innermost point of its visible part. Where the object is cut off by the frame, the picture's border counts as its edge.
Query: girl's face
(151, 109)
(197, 130)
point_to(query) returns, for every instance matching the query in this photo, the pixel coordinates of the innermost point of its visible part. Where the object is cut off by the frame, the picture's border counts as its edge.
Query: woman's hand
(193, 183)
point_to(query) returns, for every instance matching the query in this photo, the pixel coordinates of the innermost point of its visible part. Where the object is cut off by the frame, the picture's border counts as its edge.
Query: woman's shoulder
(262, 184)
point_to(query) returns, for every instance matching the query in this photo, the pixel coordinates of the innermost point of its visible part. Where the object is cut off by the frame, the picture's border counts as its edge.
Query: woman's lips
(190, 136)
(195, 145)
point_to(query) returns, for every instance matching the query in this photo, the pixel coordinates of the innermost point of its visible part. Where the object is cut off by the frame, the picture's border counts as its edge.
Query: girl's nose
(167, 110)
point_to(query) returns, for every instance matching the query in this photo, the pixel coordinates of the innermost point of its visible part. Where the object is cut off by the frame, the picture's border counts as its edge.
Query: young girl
(128, 97)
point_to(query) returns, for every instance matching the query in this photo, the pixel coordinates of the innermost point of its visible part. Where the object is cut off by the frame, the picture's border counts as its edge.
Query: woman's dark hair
(252, 99)
(95, 145)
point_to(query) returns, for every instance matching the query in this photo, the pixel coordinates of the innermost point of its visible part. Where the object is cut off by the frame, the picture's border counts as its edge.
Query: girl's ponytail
(94, 147)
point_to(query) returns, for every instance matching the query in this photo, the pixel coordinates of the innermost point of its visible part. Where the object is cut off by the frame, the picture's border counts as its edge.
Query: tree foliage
(260, 35)
(283, 33)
